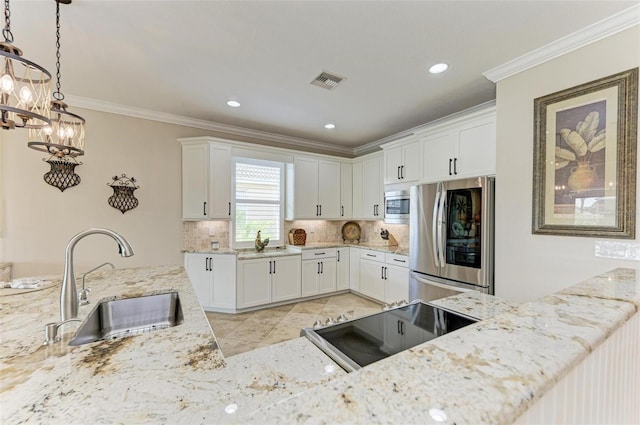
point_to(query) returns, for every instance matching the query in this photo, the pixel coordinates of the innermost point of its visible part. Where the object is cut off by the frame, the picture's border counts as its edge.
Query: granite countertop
(246, 254)
(178, 375)
(486, 373)
(175, 375)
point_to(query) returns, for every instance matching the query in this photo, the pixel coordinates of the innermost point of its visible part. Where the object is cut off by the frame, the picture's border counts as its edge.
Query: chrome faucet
(69, 291)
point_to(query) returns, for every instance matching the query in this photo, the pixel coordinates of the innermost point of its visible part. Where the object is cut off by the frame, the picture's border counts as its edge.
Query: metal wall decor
(62, 174)
(123, 198)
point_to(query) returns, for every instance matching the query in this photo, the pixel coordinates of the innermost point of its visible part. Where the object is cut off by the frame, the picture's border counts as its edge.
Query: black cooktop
(362, 341)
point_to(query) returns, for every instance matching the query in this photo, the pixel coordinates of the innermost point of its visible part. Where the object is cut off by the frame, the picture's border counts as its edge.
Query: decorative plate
(351, 232)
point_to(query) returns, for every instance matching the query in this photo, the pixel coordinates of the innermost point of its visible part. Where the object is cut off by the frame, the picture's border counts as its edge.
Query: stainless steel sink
(130, 316)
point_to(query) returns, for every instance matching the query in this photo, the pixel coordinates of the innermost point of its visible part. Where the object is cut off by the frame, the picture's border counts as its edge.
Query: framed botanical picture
(584, 159)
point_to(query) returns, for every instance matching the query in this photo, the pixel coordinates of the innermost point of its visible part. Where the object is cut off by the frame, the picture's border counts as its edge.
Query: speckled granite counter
(500, 365)
(486, 373)
(175, 375)
(296, 249)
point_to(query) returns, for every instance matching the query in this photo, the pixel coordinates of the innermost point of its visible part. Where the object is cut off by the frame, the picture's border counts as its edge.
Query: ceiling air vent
(327, 81)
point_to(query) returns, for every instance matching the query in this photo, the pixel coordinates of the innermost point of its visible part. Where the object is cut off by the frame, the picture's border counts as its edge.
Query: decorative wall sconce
(62, 174)
(123, 198)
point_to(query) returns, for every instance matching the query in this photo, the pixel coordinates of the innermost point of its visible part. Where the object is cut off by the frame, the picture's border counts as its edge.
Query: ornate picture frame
(584, 159)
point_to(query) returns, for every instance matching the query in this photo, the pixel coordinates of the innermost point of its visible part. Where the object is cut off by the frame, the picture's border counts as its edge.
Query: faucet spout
(69, 291)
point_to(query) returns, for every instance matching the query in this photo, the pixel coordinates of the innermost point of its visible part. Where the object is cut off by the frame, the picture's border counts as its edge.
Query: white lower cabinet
(342, 265)
(319, 271)
(267, 280)
(384, 277)
(213, 277)
(354, 269)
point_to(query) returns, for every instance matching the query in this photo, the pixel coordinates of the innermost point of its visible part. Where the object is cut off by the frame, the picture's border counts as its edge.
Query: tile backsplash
(197, 234)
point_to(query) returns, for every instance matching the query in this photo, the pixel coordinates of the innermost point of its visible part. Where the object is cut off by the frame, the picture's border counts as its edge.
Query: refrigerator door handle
(435, 228)
(441, 225)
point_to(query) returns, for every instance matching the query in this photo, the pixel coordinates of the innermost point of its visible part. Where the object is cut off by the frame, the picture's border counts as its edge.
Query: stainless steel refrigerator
(451, 244)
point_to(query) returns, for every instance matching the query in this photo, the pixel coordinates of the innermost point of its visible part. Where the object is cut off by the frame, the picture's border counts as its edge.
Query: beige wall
(38, 220)
(529, 266)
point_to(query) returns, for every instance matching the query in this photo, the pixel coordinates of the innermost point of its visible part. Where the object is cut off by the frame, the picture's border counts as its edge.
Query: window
(259, 193)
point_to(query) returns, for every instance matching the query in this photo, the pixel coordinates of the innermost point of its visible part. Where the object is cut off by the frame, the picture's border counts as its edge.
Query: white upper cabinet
(206, 181)
(316, 189)
(368, 188)
(346, 191)
(402, 162)
(465, 149)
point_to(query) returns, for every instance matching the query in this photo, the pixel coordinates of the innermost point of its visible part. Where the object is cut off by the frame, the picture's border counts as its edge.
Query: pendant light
(24, 85)
(65, 136)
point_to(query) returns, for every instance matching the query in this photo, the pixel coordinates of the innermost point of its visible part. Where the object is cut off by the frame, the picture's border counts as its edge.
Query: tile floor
(237, 333)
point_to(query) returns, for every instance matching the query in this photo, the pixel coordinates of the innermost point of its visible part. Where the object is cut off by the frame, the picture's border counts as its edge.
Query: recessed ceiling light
(438, 68)
(233, 103)
(329, 126)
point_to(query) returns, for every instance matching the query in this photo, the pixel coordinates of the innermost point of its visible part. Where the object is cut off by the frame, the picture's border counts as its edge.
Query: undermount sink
(130, 316)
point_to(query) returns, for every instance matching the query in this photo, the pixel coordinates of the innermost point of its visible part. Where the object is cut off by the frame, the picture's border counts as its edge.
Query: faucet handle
(83, 296)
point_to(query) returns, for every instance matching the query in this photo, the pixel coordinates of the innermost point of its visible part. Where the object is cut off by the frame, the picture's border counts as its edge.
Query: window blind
(258, 200)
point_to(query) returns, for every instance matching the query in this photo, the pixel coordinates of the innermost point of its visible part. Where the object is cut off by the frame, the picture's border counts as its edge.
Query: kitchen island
(489, 372)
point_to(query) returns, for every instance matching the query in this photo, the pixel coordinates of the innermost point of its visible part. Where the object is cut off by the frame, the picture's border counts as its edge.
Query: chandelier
(65, 136)
(24, 85)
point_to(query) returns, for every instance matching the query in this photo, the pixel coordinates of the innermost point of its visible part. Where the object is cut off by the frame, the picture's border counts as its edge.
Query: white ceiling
(188, 57)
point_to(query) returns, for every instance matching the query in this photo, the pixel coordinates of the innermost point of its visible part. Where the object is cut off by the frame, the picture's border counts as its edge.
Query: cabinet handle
(385, 273)
(206, 264)
(399, 175)
(342, 211)
(204, 208)
(338, 254)
(320, 210)
(229, 208)
(318, 264)
(319, 253)
(270, 267)
(321, 266)
(402, 172)
(398, 326)
(455, 166)
(274, 266)
(381, 272)
(371, 255)
(450, 160)
(399, 261)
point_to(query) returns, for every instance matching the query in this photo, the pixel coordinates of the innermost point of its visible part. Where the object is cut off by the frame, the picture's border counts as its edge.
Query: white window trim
(242, 160)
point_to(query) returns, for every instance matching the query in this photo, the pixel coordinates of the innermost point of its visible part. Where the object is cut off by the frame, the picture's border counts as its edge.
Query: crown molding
(293, 142)
(587, 35)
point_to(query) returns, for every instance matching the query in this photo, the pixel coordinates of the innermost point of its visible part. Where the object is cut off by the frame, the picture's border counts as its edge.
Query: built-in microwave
(396, 207)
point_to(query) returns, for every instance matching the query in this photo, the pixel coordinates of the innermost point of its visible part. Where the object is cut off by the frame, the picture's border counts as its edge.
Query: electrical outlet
(212, 230)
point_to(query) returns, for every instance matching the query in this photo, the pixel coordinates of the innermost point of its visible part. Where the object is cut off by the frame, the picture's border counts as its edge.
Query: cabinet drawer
(314, 254)
(397, 260)
(372, 255)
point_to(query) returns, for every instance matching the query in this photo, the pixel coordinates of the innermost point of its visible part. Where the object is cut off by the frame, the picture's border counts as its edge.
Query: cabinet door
(354, 269)
(346, 191)
(329, 189)
(327, 276)
(254, 283)
(195, 177)
(397, 284)
(357, 189)
(371, 279)
(342, 268)
(372, 188)
(411, 162)
(224, 281)
(438, 153)
(310, 273)
(220, 181)
(285, 278)
(305, 182)
(197, 267)
(476, 149)
(392, 165)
